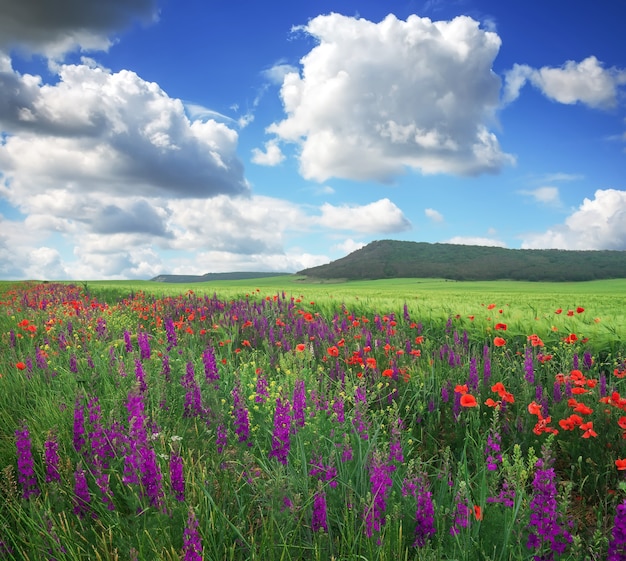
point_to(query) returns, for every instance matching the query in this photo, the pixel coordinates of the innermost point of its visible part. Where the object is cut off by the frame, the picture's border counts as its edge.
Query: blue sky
(142, 137)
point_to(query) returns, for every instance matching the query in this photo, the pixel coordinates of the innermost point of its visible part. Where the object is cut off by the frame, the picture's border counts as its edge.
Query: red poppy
(500, 327)
(491, 306)
(571, 338)
(580, 310)
(388, 373)
(20, 366)
(371, 362)
(535, 340)
(588, 428)
(534, 408)
(468, 400)
(620, 464)
(499, 342)
(478, 513)
(460, 389)
(333, 351)
(489, 402)
(560, 310)
(300, 347)
(570, 313)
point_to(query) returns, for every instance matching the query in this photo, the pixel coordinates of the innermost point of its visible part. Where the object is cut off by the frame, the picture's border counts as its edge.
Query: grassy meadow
(283, 419)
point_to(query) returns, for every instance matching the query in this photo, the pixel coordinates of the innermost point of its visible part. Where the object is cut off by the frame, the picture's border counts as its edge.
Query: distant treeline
(401, 259)
(244, 275)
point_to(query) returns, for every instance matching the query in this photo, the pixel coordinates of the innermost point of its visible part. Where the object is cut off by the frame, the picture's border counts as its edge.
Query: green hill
(401, 259)
(244, 275)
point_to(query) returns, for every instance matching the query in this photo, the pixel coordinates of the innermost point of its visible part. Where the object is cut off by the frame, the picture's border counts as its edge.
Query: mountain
(401, 259)
(244, 275)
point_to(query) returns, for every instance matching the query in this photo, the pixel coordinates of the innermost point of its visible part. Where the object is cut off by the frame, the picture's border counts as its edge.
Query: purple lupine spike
(545, 526)
(177, 478)
(319, 521)
(221, 438)
(151, 476)
(25, 465)
(82, 497)
(381, 483)
(51, 459)
(143, 342)
(240, 414)
(192, 542)
(282, 429)
(127, 341)
(170, 332)
(210, 366)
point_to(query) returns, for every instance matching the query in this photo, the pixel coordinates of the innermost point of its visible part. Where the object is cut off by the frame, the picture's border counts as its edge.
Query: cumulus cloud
(433, 214)
(271, 157)
(547, 195)
(477, 240)
(374, 99)
(598, 223)
(380, 216)
(348, 246)
(585, 82)
(54, 28)
(110, 132)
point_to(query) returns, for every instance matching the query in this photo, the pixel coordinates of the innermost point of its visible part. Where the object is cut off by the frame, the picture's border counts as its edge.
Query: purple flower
(261, 389)
(395, 445)
(151, 476)
(240, 413)
(73, 364)
(617, 545)
(324, 473)
(210, 366)
(492, 450)
(319, 521)
(170, 332)
(192, 542)
(177, 478)
(143, 342)
(462, 514)
(81, 493)
(282, 428)
(424, 516)
(381, 483)
(165, 368)
(26, 472)
(140, 375)
(545, 528)
(339, 409)
(127, 341)
(51, 458)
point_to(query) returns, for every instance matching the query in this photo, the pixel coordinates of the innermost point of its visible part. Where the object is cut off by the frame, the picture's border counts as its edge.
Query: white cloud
(379, 216)
(433, 214)
(54, 28)
(348, 246)
(276, 74)
(469, 240)
(271, 157)
(598, 223)
(114, 133)
(585, 82)
(547, 194)
(376, 98)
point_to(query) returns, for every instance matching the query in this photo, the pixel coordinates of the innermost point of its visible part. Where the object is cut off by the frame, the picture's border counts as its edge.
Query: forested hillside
(402, 259)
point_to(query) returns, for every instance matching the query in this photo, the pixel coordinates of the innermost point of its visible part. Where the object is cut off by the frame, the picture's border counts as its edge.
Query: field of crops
(277, 419)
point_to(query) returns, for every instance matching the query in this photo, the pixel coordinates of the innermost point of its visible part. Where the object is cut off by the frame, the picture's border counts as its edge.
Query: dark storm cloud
(38, 25)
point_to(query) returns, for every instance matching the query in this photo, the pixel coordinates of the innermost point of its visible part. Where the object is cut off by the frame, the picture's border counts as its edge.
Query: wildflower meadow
(276, 426)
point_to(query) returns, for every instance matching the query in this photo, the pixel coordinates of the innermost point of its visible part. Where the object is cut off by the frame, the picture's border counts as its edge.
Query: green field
(281, 419)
